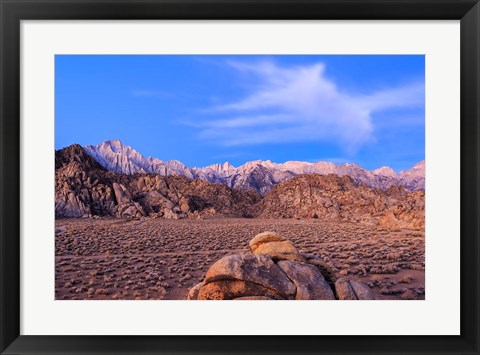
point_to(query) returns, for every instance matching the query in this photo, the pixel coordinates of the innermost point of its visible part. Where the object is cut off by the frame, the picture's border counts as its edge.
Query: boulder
(154, 201)
(253, 298)
(352, 290)
(232, 289)
(73, 206)
(344, 290)
(256, 269)
(268, 274)
(362, 291)
(282, 250)
(310, 283)
(193, 293)
(264, 237)
(121, 194)
(324, 268)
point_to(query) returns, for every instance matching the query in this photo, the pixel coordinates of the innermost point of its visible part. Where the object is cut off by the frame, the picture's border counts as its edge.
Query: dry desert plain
(160, 259)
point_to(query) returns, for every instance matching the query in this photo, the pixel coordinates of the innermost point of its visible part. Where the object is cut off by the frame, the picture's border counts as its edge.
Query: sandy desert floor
(162, 259)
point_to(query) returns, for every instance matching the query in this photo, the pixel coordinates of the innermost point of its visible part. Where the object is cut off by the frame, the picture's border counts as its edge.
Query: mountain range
(258, 175)
(84, 188)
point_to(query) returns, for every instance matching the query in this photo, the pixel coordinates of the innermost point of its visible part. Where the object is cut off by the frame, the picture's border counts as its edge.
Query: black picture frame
(14, 11)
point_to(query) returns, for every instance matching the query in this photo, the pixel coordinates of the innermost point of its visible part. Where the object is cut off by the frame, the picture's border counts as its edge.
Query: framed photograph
(239, 177)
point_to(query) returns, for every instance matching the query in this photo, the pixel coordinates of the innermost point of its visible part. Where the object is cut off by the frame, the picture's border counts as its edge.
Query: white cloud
(300, 104)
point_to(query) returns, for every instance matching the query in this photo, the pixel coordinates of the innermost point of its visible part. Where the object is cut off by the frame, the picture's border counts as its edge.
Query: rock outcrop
(266, 272)
(80, 187)
(334, 197)
(83, 188)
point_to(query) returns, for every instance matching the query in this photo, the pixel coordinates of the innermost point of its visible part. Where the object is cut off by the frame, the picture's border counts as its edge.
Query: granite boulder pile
(274, 269)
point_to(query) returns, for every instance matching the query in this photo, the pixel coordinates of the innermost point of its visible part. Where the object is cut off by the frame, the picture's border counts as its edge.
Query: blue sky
(368, 110)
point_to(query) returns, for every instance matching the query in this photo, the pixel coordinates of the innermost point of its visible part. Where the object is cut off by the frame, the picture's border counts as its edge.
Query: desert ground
(160, 259)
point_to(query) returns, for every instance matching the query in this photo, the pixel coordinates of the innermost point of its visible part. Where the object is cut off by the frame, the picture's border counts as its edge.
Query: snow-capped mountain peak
(257, 174)
(385, 171)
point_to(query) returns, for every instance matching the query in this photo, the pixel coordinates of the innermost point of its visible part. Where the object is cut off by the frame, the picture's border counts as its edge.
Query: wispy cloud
(299, 103)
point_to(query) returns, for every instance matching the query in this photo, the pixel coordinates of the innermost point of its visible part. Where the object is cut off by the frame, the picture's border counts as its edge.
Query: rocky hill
(84, 188)
(336, 197)
(259, 175)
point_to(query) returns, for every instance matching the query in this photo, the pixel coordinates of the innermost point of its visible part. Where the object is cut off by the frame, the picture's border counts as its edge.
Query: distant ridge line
(259, 175)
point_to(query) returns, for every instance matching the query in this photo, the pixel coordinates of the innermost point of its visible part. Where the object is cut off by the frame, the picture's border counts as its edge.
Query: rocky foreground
(275, 270)
(155, 259)
(149, 236)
